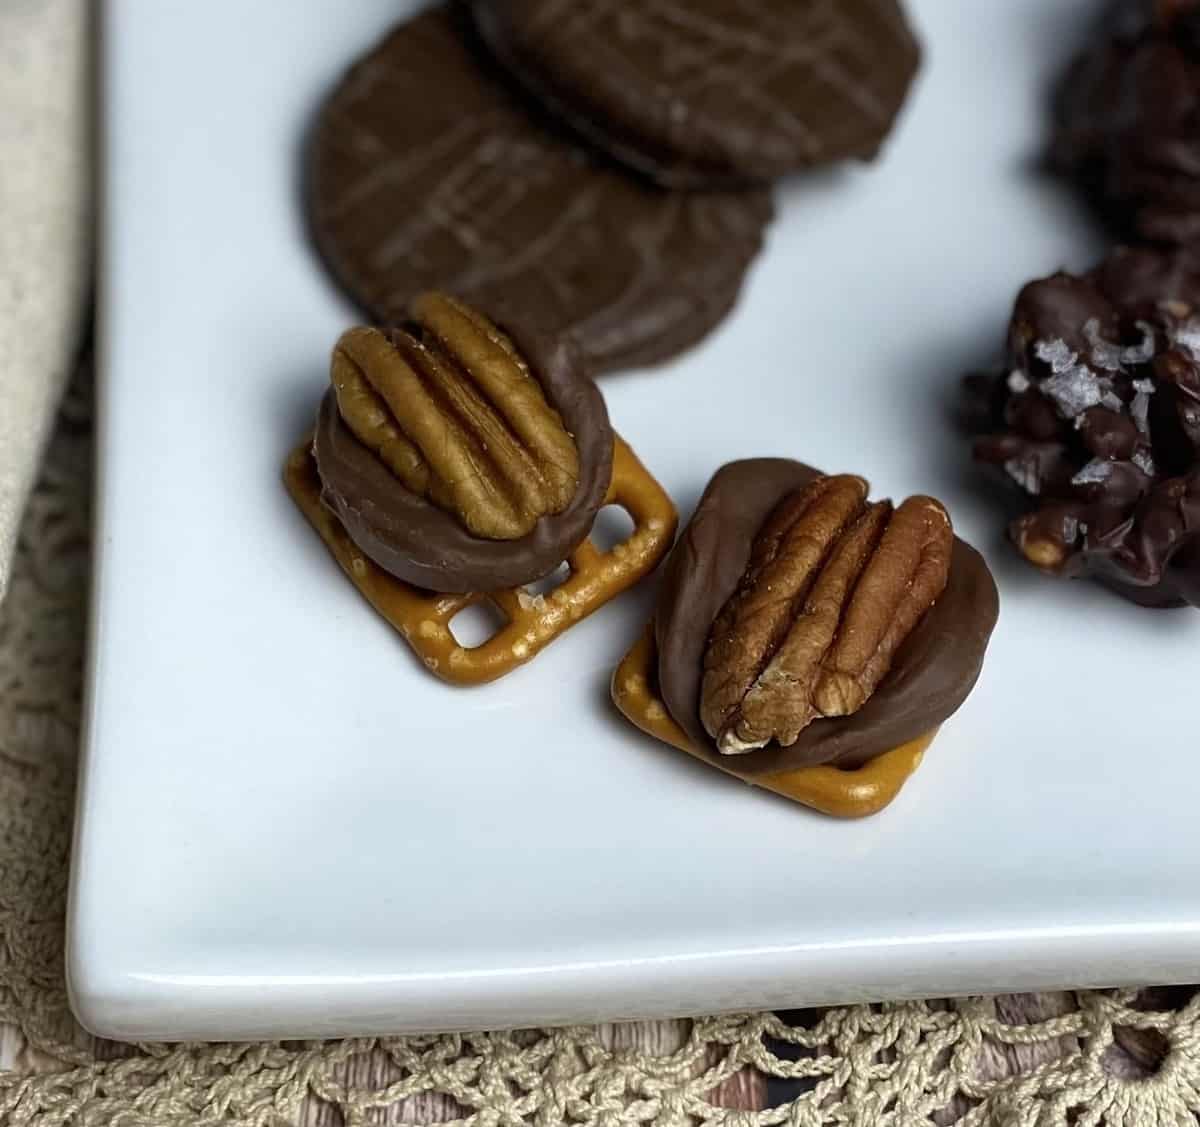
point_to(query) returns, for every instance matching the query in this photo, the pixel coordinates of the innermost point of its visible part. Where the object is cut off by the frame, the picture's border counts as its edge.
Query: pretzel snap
(532, 621)
(830, 790)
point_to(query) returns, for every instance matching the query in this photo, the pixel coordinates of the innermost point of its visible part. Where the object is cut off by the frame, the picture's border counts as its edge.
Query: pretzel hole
(476, 624)
(613, 526)
(540, 588)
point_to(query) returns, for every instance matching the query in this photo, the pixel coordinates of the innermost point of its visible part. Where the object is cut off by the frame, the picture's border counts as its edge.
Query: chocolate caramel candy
(461, 456)
(808, 641)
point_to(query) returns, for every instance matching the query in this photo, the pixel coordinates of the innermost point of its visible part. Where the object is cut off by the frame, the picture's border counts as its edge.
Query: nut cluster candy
(1096, 419)
(1129, 119)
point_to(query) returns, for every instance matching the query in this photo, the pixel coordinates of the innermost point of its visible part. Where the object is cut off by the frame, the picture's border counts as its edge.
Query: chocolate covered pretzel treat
(1095, 419)
(706, 93)
(807, 640)
(457, 458)
(1129, 119)
(428, 171)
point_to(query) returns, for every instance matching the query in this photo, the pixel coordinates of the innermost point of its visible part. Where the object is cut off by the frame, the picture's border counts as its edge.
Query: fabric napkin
(45, 231)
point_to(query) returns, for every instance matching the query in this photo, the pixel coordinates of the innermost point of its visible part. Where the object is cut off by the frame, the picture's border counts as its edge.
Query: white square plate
(286, 827)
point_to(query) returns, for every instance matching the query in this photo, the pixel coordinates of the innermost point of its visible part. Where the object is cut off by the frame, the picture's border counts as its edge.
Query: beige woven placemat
(1070, 1058)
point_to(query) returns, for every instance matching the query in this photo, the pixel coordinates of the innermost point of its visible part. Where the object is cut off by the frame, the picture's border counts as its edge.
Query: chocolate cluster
(1096, 419)
(1129, 119)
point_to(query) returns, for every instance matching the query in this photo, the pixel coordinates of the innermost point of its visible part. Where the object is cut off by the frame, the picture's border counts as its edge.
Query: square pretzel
(840, 793)
(532, 622)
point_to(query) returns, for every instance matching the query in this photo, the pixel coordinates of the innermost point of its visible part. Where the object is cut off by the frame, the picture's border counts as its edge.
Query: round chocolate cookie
(429, 172)
(1129, 119)
(712, 92)
(933, 672)
(1095, 418)
(421, 543)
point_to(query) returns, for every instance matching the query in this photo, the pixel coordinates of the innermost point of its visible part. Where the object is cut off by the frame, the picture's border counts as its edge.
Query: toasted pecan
(784, 562)
(833, 588)
(451, 408)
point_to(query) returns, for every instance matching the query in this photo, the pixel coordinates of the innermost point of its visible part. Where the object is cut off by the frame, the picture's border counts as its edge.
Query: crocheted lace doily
(1073, 1058)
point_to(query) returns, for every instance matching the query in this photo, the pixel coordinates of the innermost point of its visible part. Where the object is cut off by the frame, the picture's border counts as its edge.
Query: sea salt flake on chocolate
(1024, 471)
(1098, 470)
(1075, 390)
(1139, 409)
(1104, 353)
(1143, 351)
(1070, 529)
(1144, 460)
(1018, 382)
(1057, 353)
(1187, 337)
(1072, 386)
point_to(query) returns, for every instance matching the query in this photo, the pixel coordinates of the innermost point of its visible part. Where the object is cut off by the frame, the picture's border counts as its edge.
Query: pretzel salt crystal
(831, 790)
(532, 621)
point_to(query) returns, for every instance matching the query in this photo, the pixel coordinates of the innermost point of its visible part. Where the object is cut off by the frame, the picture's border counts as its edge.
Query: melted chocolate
(932, 675)
(418, 542)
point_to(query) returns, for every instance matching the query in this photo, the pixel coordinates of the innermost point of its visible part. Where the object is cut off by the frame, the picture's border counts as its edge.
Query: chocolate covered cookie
(457, 458)
(1129, 119)
(1095, 419)
(810, 641)
(711, 92)
(429, 172)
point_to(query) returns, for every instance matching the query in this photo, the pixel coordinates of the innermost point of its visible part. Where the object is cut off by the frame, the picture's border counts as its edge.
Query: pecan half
(784, 561)
(833, 587)
(449, 406)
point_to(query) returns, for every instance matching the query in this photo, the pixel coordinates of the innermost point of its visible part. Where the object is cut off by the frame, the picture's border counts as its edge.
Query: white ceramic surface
(286, 827)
